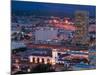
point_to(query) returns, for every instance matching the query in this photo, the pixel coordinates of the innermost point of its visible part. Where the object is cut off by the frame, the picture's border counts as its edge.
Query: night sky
(51, 8)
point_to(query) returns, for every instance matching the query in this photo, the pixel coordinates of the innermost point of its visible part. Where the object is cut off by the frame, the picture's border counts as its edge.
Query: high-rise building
(81, 24)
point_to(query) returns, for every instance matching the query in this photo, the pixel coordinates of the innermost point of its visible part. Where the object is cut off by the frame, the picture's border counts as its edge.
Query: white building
(45, 58)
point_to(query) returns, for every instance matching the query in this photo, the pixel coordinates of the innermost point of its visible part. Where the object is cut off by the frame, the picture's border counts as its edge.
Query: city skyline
(52, 37)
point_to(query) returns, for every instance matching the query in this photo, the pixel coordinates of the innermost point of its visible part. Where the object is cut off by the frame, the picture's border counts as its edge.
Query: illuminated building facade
(44, 57)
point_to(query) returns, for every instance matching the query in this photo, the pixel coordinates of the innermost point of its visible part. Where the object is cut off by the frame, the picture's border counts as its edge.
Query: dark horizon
(53, 9)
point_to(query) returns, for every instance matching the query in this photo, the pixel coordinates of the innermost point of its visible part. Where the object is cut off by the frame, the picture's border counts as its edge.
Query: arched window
(38, 60)
(48, 60)
(42, 60)
(33, 60)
